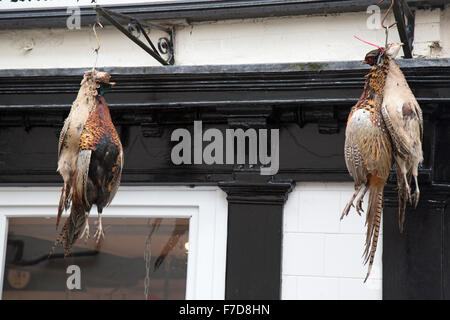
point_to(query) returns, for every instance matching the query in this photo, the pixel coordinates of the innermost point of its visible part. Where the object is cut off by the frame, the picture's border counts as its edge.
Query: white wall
(21, 4)
(268, 40)
(431, 36)
(445, 32)
(275, 40)
(64, 48)
(322, 256)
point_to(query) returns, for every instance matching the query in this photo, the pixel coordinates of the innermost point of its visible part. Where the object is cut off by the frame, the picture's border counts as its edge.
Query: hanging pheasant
(368, 151)
(403, 118)
(90, 159)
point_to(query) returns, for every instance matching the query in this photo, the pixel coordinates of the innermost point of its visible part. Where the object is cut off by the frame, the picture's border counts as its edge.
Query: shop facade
(284, 73)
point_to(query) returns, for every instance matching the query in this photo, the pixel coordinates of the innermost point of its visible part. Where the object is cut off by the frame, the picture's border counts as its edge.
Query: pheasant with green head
(90, 159)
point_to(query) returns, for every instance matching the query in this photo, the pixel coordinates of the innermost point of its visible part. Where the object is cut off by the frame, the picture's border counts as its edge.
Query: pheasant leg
(407, 188)
(85, 232)
(360, 200)
(350, 203)
(416, 193)
(99, 233)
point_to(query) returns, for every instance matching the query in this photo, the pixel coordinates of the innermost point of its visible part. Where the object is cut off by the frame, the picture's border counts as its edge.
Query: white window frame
(206, 207)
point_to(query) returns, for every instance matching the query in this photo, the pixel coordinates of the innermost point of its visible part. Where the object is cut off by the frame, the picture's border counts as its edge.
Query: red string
(369, 43)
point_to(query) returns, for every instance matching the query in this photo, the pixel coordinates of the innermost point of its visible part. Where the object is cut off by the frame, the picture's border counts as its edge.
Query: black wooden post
(416, 262)
(413, 262)
(255, 225)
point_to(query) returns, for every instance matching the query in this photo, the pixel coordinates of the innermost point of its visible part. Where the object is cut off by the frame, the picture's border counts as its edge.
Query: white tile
(308, 186)
(356, 289)
(322, 258)
(289, 288)
(325, 186)
(352, 223)
(343, 256)
(303, 254)
(319, 211)
(290, 210)
(317, 288)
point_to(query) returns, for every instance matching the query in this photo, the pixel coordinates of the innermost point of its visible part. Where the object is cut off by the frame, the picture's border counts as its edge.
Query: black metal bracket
(405, 25)
(165, 44)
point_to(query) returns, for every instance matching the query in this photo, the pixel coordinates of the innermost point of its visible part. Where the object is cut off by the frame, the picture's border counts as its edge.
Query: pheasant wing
(114, 183)
(62, 135)
(401, 112)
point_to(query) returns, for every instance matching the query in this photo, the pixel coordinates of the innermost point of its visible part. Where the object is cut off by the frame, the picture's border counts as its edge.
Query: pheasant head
(92, 80)
(94, 83)
(393, 49)
(372, 57)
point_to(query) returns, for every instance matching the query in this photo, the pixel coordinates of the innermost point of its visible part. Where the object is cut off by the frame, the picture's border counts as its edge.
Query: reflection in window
(114, 269)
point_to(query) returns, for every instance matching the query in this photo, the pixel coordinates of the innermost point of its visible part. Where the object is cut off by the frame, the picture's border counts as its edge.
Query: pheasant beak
(363, 62)
(393, 49)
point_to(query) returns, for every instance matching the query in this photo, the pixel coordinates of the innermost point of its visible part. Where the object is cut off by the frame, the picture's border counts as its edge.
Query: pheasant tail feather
(72, 227)
(373, 221)
(64, 202)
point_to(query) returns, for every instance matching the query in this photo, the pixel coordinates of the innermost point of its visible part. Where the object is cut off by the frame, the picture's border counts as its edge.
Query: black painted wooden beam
(405, 26)
(255, 233)
(174, 87)
(308, 102)
(198, 10)
(238, 69)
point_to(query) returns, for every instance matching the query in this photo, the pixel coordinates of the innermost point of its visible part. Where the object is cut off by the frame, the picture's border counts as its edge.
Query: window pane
(113, 269)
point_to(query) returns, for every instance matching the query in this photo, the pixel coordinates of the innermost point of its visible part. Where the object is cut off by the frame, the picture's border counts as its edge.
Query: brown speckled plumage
(385, 122)
(404, 121)
(368, 155)
(99, 133)
(97, 127)
(90, 160)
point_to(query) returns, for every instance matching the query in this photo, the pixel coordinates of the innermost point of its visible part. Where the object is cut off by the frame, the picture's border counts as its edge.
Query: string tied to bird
(98, 41)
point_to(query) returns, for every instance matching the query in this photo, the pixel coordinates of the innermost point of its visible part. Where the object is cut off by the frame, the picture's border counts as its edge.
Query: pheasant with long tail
(386, 121)
(90, 160)
(368, 151)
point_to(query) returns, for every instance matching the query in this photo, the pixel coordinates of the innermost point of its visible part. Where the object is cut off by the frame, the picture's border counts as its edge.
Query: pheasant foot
(99, 233)
(347, 208)
(85, 234)
(416, 192)
(408, 189)
(415, 197)
(350, 203)
(360, 201)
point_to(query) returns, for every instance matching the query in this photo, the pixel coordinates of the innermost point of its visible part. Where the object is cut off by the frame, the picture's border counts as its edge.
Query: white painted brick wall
(274, 40)
(58, 3)
(322, 256)
(445, 32)
(269, 40)
(427, 33)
